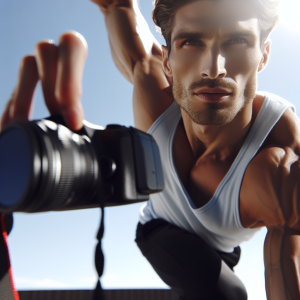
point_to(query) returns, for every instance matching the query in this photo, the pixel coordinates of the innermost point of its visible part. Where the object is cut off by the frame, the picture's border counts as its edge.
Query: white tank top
(218, 222)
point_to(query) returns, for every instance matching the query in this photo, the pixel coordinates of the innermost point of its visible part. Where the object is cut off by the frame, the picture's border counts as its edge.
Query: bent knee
(230, 286)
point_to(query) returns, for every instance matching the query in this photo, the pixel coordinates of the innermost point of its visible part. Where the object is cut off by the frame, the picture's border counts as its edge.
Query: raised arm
(275, 202)
(130, 38)
(59, 68)
(138, 56)
(270, 195)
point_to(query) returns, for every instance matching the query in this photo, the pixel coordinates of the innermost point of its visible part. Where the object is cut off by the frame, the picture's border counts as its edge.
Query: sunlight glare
(289, 11)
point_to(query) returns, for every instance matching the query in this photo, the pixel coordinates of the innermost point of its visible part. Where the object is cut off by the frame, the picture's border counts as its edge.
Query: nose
(213, 65)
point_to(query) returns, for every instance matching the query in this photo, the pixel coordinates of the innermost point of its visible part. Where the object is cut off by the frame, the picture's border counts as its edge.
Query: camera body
(129, 163)
(54, 168)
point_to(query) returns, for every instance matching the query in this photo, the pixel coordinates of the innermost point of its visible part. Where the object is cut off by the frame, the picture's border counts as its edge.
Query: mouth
(212, 95)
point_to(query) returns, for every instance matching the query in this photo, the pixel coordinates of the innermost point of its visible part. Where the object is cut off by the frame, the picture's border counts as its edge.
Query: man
(230, 154)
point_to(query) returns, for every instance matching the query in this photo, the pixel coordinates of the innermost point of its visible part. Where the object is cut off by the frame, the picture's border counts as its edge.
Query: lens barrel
(45, 166)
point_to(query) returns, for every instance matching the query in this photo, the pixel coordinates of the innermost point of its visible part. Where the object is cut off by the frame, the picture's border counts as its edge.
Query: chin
(212, 114)
(215, 120)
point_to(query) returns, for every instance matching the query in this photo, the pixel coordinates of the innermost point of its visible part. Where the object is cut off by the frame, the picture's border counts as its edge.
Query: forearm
(125, 41)
(120, 65)
(130, 38)
(282, 263)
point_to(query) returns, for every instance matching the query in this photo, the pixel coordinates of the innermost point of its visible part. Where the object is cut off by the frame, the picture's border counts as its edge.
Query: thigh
(184, 261)
(229, 285)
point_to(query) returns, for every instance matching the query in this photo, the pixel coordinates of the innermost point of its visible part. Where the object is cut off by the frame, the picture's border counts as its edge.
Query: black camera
(45, 166)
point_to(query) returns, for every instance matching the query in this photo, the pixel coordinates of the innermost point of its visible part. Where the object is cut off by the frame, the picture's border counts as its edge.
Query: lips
(212, 95)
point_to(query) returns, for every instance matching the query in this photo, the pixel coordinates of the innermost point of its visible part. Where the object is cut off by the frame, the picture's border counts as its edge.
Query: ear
(166, 64)
(266, 50)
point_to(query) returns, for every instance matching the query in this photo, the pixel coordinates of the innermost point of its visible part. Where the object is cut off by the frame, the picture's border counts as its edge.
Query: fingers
(60, 70)
(20, 105)
(46, 53)
(68, 89)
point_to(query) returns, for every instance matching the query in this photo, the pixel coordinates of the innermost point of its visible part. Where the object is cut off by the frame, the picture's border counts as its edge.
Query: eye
(192, 42)
(237, 40)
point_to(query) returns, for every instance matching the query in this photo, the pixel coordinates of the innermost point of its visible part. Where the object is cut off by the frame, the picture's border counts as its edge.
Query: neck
(220, 142)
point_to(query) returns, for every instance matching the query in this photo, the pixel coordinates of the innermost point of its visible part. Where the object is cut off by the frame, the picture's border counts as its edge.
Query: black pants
(185, 262)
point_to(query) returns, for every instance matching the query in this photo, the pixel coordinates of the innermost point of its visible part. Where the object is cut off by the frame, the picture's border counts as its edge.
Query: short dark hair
(164, 12)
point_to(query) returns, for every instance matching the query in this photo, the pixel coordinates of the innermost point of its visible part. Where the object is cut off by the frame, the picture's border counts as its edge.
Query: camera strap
(99, 256)
(7, 288)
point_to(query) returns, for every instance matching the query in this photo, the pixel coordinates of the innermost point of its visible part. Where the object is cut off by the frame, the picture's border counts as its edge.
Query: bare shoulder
(152, 93)
(268, 188)
(286, 132)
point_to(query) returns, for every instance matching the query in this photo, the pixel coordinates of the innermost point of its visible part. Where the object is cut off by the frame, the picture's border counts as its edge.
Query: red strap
(15, 293)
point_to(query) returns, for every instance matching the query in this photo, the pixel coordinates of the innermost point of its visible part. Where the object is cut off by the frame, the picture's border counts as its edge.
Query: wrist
(107, 6)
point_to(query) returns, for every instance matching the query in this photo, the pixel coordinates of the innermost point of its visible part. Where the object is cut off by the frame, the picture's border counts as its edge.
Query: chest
(201, 177)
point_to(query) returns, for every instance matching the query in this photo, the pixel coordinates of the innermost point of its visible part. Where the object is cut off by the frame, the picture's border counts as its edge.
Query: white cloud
(110, 278)
(91, 279)
(132, 281)
(29, 283)
(47, 283)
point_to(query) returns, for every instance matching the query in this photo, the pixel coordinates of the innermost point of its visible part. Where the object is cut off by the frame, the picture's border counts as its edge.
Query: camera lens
(45, 166)
(15, 166)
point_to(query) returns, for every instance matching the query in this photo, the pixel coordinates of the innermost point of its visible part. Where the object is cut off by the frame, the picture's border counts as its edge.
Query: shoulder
(286, 132)
(281, 147)
(269, 183)
(284, 135)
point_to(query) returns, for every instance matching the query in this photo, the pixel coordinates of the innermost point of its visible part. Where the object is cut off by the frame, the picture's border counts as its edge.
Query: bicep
(138, 56)
(270, 186)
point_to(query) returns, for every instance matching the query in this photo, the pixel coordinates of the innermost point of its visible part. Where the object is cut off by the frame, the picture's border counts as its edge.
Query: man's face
(214, 60)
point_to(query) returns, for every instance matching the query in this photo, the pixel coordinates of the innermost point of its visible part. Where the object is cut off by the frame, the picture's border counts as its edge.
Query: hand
(60, 68)
(105, 5)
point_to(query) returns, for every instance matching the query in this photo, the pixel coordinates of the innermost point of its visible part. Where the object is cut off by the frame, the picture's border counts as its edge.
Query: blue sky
(55, 250)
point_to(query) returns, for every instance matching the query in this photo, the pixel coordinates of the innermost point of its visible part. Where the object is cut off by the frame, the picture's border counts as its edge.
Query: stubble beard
(214, 113)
